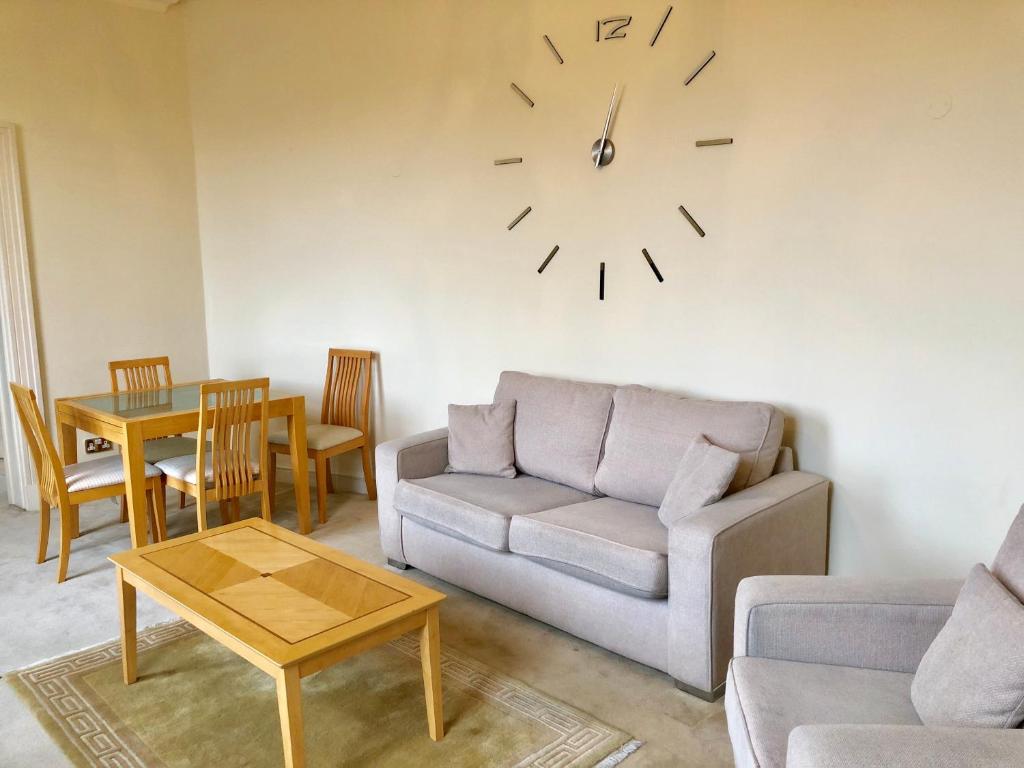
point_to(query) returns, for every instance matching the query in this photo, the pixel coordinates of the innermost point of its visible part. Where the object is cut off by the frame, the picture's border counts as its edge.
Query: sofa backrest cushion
(1008, 566)
(559, 427)
(651, 430)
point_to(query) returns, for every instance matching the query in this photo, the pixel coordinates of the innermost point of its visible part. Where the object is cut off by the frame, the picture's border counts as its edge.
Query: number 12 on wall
(615, 28)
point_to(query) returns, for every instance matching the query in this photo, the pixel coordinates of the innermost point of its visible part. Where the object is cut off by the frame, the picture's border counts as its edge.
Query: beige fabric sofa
(575, 539)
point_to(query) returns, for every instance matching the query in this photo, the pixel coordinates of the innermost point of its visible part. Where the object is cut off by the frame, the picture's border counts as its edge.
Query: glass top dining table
(130, 418)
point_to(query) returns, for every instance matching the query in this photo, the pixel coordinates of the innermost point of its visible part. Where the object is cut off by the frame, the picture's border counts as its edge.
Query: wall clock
(598, 149)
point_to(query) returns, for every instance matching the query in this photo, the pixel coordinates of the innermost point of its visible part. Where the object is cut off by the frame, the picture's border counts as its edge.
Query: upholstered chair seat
(87, 475)
(184, 468)
(319, 437)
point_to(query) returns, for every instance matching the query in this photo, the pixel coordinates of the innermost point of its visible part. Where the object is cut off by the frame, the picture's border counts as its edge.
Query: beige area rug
(197, 704)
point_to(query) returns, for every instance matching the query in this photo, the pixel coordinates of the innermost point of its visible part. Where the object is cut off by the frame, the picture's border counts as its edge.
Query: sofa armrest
(908, 746)
(422, 455)
(872, 623)
(777, 526)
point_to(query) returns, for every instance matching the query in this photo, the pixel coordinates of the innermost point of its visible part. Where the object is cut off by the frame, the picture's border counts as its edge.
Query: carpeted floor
(42, 620)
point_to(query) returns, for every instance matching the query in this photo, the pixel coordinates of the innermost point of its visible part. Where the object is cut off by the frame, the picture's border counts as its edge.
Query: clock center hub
(607, 153)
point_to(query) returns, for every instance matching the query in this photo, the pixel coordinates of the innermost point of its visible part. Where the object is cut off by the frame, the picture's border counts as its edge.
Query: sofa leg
(398, 564)
(700, 693)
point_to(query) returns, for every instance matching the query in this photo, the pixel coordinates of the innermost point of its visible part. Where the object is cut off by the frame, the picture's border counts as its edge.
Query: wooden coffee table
(287, 604)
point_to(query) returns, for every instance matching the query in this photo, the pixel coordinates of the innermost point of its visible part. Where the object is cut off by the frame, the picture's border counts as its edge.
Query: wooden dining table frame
(130, 432)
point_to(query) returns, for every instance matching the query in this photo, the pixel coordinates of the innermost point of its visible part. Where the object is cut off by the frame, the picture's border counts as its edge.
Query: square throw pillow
(973, 672)
(702, 477)
(480, 439)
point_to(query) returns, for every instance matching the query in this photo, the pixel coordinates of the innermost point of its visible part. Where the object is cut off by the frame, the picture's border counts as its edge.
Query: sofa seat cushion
(650, 432)
(768, 698)
(478, 508)
(607, 541)
(559, 426)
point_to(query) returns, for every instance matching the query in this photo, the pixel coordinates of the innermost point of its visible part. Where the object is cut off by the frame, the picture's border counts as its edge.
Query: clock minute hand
(607, 123)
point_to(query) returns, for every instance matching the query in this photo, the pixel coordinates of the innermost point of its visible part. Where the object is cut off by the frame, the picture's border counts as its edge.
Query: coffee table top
(282, 595)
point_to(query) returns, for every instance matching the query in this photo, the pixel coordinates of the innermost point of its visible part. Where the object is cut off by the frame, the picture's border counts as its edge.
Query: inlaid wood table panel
(287, 604)
(129, 418)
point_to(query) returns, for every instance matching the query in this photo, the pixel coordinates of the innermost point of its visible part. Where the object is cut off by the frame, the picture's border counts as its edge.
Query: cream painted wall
(862, 267)
(99, 92)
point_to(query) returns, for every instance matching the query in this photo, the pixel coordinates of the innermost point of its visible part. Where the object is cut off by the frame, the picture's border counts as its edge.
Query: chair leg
(65, 544)
(161, 510)
(265, 508)
(224, 507)
(151, 512)
(321, 488)
(271, 479)
(44, 528)
(124, 509)
(201, 523)
(368, 473)
(236, 510)
(330, 476)
(182, 499)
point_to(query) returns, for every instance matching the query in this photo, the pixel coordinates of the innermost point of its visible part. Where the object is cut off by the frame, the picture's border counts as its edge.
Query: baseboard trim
(342, 483)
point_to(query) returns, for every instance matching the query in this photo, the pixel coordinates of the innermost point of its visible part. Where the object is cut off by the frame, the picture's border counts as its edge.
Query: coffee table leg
(289, 706)
(430, 655)
(129, 648)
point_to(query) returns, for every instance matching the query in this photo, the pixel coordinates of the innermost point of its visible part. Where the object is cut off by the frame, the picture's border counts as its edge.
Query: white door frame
(20, 351)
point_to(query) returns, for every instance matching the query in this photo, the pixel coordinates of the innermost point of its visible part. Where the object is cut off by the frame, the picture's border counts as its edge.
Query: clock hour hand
(607, 124)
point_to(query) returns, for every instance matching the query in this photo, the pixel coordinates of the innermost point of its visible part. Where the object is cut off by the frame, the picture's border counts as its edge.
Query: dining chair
(344, 424)
(138, 375)
(67, 486)
(228, 410)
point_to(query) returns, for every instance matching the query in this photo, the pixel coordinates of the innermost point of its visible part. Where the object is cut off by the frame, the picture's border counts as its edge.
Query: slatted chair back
(49, 468)
(140, 373)
(347, 389)
(232, 409)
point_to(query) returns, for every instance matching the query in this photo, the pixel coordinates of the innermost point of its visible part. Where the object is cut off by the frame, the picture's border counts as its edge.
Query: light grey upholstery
(559, 427)
(634, 627)
(797, 636)
(650, 432)
(1008, 566)
(86, 475)
(973, 673)
(903, 746)
(480, 439)
(168, 448)
(766, 698)
(702, 477)
(319, 437)
(421, 455)
(615, 543)
(778, 526)
(184, 467)
(598, 571)
(479, 507)
(873, 623)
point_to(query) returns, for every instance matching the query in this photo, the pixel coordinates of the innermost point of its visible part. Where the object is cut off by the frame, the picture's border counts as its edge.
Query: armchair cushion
(614, 543)
(559, 426)
(478, 508)
(480, 439)
(973, 674)
(650, 431)
(701, 478)
(767, 698)
(906, 746)
(319, 437)
(86, 475)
